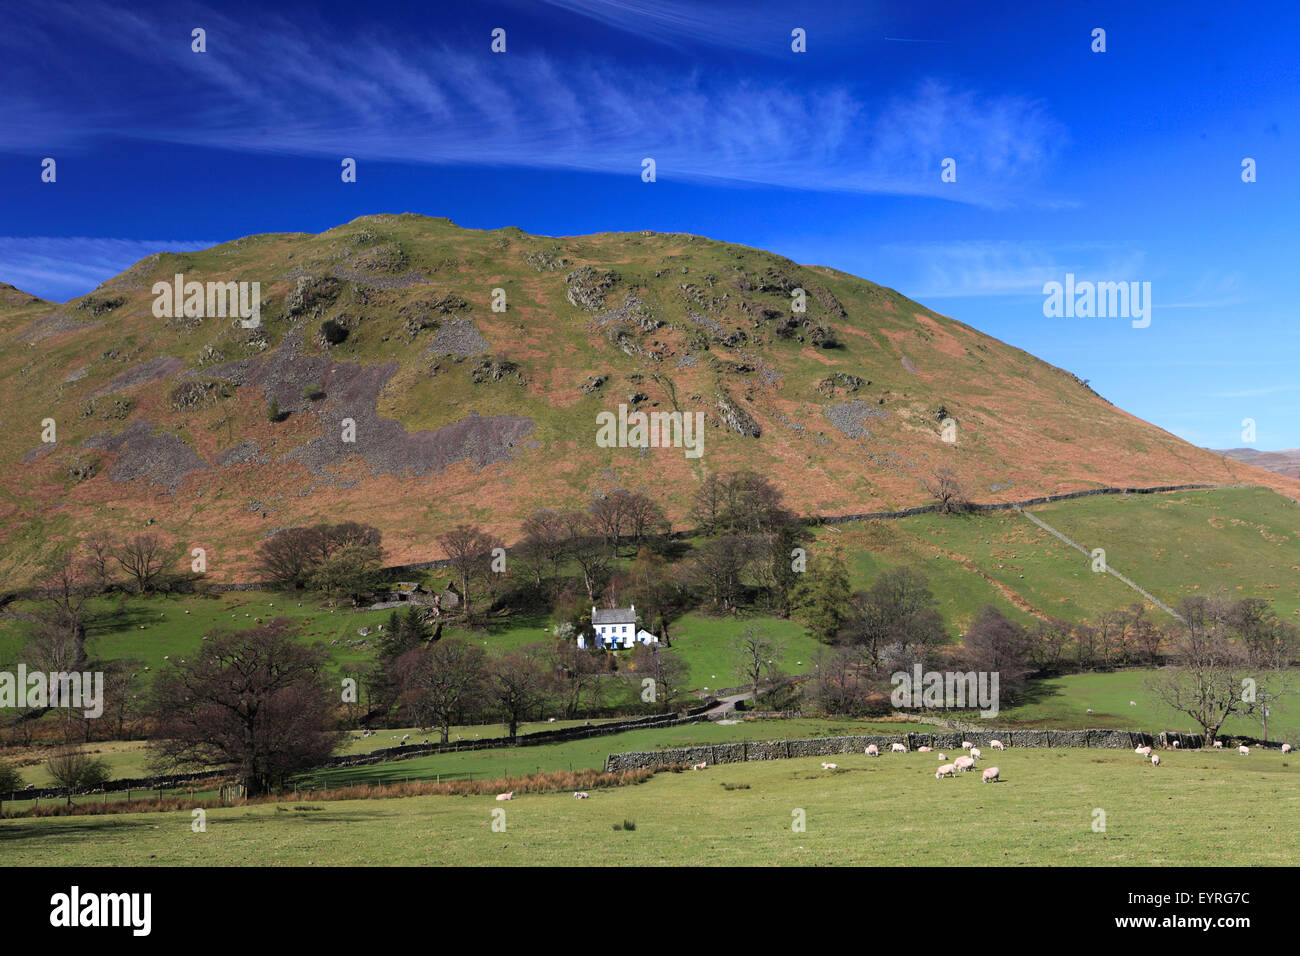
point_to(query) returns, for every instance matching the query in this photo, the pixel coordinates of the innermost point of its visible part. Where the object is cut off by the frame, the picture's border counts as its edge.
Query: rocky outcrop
(735, 417)
(586, 287)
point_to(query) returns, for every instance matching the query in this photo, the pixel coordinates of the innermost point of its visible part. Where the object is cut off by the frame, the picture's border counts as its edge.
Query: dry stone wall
(741, 752)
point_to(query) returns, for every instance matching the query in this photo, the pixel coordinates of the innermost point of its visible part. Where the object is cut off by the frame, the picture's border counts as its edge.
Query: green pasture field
(1196, 809)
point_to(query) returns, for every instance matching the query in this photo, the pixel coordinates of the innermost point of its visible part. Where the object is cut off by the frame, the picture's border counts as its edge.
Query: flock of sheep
(960, 765)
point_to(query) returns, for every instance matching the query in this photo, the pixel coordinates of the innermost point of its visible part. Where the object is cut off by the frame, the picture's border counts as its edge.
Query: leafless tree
(518, 686)
(142, 557)
(257, 700)
(469, 549)
(717, 567)
(442, 681)
(74, 769)
(756, 656)
(943, 486)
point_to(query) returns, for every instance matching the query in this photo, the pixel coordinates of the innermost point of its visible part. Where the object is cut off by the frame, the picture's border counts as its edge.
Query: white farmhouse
(615, 628)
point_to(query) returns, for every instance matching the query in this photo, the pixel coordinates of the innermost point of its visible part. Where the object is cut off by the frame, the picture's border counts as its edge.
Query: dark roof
(614, 615)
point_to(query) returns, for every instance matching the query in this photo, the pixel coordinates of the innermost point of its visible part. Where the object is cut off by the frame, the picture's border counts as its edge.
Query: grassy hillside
(1243, 541)
(465, 413)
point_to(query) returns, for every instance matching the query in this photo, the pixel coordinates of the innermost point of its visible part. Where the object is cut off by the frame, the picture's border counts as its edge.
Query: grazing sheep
(699, 766)
(1244, 750)
(506, 796)
(828, 766)
(924, 750)
(975, 753)
(1143, 751)
(943, 757)
(996, 744)
(966, 745)
(947, 770)
(1218, 745)
(898, 748)
(873, 751)
(406, 736)
(1175, 745)
(1090, 710)
(1286, 748)
(581, 794)
(963, 764)
(1132, 703)
(990, 774)
(1155, 760)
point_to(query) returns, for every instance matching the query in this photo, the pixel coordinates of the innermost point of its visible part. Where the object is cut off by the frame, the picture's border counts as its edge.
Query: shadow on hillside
(53, 831)
(120, 618)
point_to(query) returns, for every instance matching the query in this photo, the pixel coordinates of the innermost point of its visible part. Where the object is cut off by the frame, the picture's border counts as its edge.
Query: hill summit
(411, 374)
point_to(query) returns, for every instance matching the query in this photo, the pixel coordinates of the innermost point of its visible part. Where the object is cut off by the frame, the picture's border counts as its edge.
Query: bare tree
(944, 487)
(756, 655)
(518, 686)
(577, 674)
(257, 700)
(442, 681)
(587, 551)
(547, 534)
(669, 673)
(1206, 679)
(716, 568)
(74, 769)
(96, 564)
(469, 549)
(142, 558)
(65, 593)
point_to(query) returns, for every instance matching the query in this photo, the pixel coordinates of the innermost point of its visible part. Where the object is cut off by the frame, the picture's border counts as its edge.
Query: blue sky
(1115, 166)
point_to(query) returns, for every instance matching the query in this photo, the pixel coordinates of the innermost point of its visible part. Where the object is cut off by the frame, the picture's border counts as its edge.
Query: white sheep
(699, 766)
(1218, 745)
(581, 794)
(1244, 750)
(1155, 760)
(1175, 745)
(829, 766)
(966, 745)
(898, 748)
(1286, 748)
(963, 764)
(991, 774)
(996, 744)
(924, 750)
(1090, 710)
(943, 757)
(506, 796)
(872, 750)
(1132, 703)
(1143, 751)
(975, 753)
(947, 770)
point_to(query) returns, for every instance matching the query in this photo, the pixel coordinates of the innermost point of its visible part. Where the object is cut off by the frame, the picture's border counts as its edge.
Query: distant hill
(1285, 462)
(463, 413)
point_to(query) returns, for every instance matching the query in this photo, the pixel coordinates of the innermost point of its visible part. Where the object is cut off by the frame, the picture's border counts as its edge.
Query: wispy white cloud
(290, 89)
(64, 268)
(755, 26)
(959, 269)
